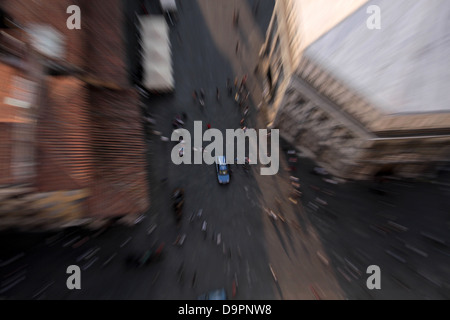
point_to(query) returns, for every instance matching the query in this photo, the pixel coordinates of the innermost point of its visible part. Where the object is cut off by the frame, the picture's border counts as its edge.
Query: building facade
(360, 102)
(72, 146)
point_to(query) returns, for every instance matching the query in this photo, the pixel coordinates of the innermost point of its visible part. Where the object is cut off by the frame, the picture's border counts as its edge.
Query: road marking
(48, 285)
(418, 251)
(109, 259)
(85, 254)
(12, 285)
(151, 229)
(92, 254)
(89, 264)
(395, 256)
(16, 257)
(81, 242)
(322, 258)
(397, 226)
(273, 273)
(71, 241)
(126, 242)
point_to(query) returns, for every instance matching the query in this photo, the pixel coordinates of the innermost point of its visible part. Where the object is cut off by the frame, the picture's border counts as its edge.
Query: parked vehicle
(219, 294)
(177, 203)
(223, 170)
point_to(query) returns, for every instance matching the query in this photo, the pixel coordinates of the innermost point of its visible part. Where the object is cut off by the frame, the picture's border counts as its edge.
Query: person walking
(235, 18)
(229, 88)
(243, 82)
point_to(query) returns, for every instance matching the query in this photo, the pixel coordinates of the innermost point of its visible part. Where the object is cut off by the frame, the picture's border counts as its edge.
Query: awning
(156, 54)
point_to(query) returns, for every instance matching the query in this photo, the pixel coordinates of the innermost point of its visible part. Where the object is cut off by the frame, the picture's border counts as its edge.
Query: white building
(361, 101)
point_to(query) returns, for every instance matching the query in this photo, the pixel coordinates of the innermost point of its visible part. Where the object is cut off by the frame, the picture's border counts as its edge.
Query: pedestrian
(217, 93)
(235, 18)
(209, 126)
(202, 93)
(244, 81)
(255, 8)
(246, 96)
(229, 88)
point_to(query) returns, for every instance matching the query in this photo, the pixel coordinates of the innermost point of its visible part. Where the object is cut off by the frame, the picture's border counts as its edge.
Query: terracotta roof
(53, 13)
(5, 154)
(105, 54)
(93, 138)
(98, 47)
(87, 138)
(14, 42)
(120, 182)
(63, 135)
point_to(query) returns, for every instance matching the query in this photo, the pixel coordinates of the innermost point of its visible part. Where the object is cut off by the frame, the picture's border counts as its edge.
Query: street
(260, 242)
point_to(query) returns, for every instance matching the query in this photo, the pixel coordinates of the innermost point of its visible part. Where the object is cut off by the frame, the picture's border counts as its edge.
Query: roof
(157, 55)
(6, 176)
(316, 17)
(120, 179)
(92, 139)
(401, 68)
(98, 47)
(87, 138)
(63, 137)
(104, 49)
(50, 15)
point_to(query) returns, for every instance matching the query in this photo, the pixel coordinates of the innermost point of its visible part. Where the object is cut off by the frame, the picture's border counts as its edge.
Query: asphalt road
(317, 248)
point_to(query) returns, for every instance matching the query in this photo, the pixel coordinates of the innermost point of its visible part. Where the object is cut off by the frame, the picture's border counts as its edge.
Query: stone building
(361, 102)
(72, 149)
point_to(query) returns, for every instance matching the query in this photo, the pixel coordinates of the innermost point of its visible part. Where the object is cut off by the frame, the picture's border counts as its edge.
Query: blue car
(223, 171)
(219, 294)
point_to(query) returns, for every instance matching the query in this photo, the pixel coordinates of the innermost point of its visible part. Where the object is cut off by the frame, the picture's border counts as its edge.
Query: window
(301, 102)
(277, 46)
(279, 81)
(223, 170)
(323, 118)
(272, 33)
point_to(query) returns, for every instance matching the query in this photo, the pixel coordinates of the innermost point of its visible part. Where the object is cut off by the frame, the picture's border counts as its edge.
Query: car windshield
(223, 170)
